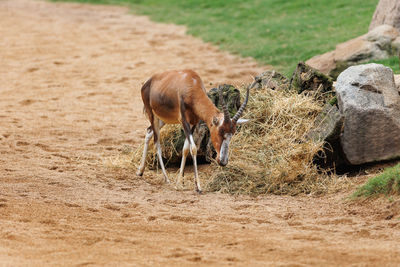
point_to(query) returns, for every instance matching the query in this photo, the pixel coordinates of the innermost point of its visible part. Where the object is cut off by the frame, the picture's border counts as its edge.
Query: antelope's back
(169, 89)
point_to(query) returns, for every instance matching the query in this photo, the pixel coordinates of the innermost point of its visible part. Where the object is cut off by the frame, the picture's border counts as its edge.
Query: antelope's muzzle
(224, 152)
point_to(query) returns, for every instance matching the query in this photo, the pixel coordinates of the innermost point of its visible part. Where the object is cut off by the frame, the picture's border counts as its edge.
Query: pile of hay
(270, 154)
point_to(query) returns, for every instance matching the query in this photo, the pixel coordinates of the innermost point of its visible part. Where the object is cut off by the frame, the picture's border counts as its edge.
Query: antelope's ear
(242, 121)
(215, 121)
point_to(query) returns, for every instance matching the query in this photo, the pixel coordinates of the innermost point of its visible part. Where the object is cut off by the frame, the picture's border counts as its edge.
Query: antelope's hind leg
(158, 124)
(149, 134)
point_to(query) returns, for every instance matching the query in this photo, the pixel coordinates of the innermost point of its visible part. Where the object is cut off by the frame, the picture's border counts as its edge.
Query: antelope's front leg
(185, 152)
(193, 152)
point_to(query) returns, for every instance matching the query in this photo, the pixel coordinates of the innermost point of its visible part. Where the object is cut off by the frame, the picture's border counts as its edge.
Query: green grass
(278, 33)
(392, 62)
(387, 183)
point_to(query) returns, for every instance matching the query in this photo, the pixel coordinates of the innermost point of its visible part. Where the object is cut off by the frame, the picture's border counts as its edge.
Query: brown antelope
(180, 97)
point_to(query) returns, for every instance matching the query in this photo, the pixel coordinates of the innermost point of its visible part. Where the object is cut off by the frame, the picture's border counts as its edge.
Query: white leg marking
(193, 152)
(159, 153)
(185, 152)
(158, 124)
(149, 134)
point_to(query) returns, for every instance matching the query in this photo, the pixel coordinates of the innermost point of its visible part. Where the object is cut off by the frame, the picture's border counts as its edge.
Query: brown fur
(164, 94)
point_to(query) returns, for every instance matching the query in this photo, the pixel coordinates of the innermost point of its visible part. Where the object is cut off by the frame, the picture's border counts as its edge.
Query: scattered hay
(270, 154)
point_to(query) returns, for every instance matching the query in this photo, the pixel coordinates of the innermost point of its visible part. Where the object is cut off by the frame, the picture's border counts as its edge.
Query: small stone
(271, 79)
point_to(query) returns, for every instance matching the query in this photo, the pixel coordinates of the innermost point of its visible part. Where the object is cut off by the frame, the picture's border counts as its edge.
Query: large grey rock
(386, 12)
(370, 103)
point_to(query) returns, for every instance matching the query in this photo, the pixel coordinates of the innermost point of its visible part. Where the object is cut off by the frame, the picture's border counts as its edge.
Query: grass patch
(387, 183)
(392, 63)
(278, 33)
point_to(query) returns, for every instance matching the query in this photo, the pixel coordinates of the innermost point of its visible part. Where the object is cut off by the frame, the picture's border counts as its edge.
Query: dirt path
(69, 97)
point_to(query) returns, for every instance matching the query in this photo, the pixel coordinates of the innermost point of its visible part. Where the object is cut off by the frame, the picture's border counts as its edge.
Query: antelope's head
(223, 127)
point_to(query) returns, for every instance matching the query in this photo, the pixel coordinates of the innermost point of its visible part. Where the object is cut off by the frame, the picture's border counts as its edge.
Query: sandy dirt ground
(70, 77)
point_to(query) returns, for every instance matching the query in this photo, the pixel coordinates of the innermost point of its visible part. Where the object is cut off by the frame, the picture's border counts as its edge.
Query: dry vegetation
(270, 154)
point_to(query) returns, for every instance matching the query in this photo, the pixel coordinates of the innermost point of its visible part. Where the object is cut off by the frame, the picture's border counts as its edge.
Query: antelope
(174, 97)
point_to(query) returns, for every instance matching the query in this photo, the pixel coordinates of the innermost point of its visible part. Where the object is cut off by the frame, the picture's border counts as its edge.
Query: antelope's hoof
(199, 191)
(138, 173)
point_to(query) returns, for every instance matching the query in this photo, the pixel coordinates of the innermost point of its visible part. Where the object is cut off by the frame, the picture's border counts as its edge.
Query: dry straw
(270, 154)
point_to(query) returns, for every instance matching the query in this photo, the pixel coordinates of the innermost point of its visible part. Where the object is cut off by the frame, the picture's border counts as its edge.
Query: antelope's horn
(227, 117)
(243, 106)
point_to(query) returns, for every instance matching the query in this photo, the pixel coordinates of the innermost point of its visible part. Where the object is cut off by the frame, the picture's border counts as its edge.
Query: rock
(303, 79)
(385, 31)
(356, 50)
(396, 45)
(271, 79)
(306, 78)
(386, 12)
(327, 125)
(376, 84)
(325, 63)
(382, 37)
(370, 103)
(397, 82)
(375, 45)
(172, 151)
(328, 128)
(345, 55)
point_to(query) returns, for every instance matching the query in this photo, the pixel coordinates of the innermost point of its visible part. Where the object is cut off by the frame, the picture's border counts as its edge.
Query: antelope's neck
(206, 110)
